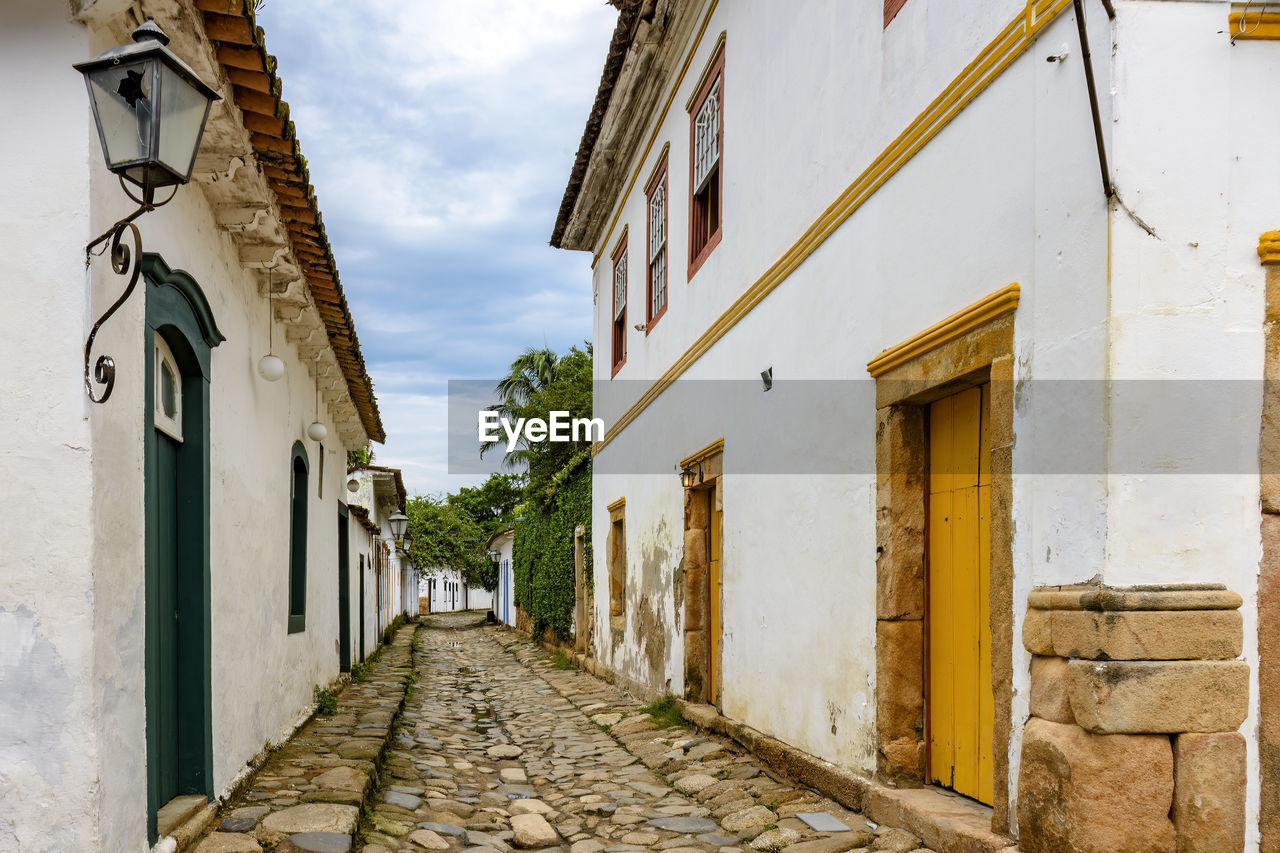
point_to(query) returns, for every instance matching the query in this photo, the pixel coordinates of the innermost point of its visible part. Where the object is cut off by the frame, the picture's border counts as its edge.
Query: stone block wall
(1136, 699)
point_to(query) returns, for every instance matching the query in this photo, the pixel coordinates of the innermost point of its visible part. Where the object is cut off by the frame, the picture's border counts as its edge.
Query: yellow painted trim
(962, 322)
(657, 126)
(711, 449)
(616, 505)
(997, 56)
(1269, 247)
(1256, 24)
(706, 69)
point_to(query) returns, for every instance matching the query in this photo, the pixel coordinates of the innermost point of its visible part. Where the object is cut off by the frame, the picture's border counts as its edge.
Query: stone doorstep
(946, 822)
(177, 812)
(191, 829)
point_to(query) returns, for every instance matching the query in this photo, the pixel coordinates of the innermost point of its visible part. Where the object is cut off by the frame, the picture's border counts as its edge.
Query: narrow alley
(500, 748)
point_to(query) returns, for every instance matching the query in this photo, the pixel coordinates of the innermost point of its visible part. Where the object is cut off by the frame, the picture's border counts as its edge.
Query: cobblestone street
(499, 749)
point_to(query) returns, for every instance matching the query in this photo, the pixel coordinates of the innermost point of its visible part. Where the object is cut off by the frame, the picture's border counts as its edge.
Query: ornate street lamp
(399, 523)
(150, 109)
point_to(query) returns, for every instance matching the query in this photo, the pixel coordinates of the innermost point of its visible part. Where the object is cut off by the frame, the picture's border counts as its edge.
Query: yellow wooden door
(959, 581)
(714, 590)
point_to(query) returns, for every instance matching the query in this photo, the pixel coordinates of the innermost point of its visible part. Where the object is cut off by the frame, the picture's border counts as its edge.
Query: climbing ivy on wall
(542, 554)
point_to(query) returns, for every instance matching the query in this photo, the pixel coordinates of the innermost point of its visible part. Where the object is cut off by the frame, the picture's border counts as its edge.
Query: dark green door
(179, 335)
(344, 592)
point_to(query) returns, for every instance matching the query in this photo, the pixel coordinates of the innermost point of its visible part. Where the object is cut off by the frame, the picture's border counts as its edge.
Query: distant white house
(385, 580)
(500, 549)
(445, 592)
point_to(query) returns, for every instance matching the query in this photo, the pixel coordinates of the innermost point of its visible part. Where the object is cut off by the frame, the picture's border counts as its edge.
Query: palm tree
(532, 371)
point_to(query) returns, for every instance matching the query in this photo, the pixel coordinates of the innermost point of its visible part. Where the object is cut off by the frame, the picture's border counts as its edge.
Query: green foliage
(559, 660)
(359, 458)
(326, 701)
(359, 671)
(447, 537)
(492, 504)
(543, 553)
(540, 382)
(665, 713)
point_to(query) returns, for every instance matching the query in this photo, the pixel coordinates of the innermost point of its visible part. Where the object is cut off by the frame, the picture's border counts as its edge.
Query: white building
(385, 582)
(504, 602)
(906, 203)
(170, 593)
(447, 592)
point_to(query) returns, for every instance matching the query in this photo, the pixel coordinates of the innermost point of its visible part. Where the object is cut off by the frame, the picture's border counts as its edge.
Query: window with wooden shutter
(656, 278)
(706, 155)
(619, 347)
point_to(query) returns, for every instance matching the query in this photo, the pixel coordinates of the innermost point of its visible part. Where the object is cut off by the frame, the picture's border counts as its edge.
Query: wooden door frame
(709, 462)
(972, 346)
(177, 310)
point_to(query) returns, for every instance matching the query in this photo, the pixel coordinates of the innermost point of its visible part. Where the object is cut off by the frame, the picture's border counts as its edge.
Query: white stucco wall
(49, 757)
(1008, 192)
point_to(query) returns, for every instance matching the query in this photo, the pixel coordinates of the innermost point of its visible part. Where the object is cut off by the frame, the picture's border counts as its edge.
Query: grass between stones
(559, 660)
(665, 713)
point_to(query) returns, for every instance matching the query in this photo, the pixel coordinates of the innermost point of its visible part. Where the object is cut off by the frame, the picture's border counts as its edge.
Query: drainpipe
(1093, 92)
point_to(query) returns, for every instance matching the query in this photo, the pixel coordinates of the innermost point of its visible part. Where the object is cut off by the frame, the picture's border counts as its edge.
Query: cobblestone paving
(307, 797)
(500, 750)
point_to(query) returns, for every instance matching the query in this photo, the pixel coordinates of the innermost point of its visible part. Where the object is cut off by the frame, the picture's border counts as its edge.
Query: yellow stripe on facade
(710, 450)
(997, 56)
(965, 320)
(1257, 24)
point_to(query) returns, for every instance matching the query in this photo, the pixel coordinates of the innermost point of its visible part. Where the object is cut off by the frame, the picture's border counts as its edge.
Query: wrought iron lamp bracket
(125, 261)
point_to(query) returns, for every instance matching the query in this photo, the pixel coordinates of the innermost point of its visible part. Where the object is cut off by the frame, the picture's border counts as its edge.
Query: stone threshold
(943, 820)
(311, 788)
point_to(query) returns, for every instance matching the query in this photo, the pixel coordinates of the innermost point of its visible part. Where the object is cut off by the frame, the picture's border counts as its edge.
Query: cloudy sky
(440, 135)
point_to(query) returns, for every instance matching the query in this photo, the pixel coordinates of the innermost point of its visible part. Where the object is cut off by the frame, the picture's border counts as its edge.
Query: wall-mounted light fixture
(150, 109)
(399, 524)
(317, 431)
(271, 366)
(690, 477)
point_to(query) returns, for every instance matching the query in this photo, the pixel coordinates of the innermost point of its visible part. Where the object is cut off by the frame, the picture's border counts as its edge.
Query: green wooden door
(164, 674)
(179, 336)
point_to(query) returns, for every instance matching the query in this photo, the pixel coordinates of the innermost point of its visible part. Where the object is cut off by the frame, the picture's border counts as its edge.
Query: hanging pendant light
(271, 366)
(317, 431)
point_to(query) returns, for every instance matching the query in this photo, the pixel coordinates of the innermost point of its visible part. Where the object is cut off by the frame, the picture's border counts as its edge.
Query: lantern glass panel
(182, 112)
(125, 109)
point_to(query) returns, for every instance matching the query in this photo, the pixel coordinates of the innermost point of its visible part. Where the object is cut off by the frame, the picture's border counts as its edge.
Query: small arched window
(298, 539)
(167, 404)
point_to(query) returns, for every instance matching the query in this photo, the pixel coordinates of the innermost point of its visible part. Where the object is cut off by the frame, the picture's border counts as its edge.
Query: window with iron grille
(656, 286)
(619, 351)
(706, 138)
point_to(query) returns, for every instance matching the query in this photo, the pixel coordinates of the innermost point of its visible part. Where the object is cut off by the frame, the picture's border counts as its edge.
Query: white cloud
(439, 135)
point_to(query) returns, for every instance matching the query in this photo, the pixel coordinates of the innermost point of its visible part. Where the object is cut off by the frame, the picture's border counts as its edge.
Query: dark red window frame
(701, 242)
(618, 353)
(659, 179)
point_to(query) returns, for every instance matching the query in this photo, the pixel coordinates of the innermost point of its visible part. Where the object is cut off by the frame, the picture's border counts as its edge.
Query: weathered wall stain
(649, 593)
(34, 703)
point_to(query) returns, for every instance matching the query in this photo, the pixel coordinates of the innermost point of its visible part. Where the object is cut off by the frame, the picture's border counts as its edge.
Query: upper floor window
(656, 287)
(619, 349)
(706, 131)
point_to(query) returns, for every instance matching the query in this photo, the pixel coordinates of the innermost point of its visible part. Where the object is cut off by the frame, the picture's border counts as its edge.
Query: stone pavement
(500, 750)
(308, 795)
